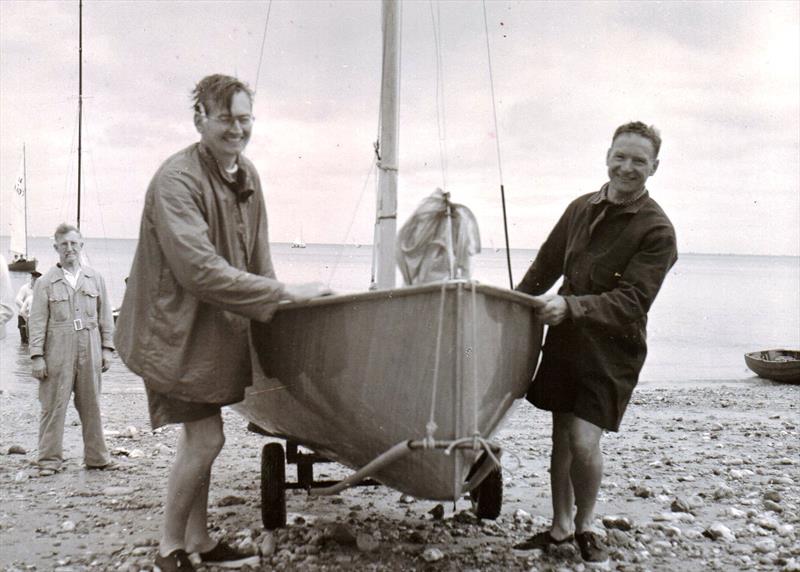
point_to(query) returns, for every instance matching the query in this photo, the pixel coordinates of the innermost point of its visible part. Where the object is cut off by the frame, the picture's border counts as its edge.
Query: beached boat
(403, 385)
(19, 261)
(777, 365)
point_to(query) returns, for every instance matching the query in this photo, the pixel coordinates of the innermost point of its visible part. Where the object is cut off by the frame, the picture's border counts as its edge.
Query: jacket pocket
(604, 278)
(59, 307)
(89, 298)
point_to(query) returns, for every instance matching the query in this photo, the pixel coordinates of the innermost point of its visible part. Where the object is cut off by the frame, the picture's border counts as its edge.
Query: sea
(711, 310)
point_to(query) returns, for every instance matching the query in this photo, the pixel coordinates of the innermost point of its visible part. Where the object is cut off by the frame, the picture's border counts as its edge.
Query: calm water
(710, 311)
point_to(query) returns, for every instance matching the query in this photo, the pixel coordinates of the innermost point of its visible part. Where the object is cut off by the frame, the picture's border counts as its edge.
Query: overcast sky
(720, 80)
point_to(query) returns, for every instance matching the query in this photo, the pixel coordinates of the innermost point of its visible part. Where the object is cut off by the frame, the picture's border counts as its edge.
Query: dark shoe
(225, 556)
(110, 466)
(541, 540)
(592, 547)
(175, 561)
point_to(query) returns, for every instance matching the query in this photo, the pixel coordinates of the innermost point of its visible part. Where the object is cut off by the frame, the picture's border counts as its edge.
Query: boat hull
(22, 265)
(777, 365)
(352, 376)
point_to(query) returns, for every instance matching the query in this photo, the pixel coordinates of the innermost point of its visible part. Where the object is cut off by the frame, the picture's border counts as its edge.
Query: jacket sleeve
(183, 234)
(37, 321)
(548, 265)
(635, 291)
(105, 317)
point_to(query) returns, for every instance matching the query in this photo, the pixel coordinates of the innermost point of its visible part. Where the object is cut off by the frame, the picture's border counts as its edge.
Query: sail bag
(423, 249)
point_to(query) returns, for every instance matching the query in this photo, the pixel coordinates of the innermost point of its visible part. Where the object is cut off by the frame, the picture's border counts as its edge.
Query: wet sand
(702, 476)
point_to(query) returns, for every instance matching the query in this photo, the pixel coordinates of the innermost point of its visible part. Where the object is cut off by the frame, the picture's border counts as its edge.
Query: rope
(497, 144)
(263, 42)
(431, 427)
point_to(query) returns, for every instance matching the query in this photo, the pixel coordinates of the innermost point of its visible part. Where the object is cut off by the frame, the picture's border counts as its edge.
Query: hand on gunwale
(306, 291)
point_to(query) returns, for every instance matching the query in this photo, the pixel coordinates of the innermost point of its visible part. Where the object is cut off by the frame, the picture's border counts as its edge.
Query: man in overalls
(71, 343)
(613, 248)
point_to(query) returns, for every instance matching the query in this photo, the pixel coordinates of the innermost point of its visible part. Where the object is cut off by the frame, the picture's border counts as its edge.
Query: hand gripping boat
(406, 386)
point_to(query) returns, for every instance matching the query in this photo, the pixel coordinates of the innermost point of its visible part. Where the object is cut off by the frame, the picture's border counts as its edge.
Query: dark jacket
(613, 259)
(201, 271)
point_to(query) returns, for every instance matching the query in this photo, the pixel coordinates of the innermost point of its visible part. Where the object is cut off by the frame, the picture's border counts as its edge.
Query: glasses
(230, 120)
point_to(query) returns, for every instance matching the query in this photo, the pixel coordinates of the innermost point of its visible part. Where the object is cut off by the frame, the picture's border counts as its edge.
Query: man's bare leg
(197, 537)
(198, 447)
(563, 497)
(586, 471)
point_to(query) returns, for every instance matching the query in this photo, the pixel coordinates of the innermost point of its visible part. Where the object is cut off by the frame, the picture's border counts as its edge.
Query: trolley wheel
(487, 497)
(273, 486)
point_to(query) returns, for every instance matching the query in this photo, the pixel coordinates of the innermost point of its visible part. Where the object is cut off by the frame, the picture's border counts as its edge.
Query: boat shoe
(592, 547)
(225, 556)
(541, 540)
(175, 561)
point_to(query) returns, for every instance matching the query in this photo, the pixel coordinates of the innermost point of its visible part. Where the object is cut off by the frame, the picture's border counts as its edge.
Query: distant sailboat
(18, 224)
(299, 242)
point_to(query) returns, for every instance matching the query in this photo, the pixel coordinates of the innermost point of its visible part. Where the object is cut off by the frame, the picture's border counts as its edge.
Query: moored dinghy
(777, 365)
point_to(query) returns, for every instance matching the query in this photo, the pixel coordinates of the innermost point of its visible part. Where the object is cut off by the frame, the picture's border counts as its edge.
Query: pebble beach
(702, 476)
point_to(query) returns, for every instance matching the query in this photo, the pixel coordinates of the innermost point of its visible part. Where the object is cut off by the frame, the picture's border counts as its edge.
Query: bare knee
(205, 437)
(584, 440)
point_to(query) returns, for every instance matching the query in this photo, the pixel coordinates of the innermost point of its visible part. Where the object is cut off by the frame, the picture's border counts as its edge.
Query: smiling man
(613, 248)
(202, 270)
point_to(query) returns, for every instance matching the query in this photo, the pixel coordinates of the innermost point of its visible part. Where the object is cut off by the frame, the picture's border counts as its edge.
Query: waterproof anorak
(613, 259)
(201, 271)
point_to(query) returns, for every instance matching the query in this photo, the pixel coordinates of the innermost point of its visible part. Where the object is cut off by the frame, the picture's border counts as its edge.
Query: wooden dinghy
(777, 365)
(360, 378)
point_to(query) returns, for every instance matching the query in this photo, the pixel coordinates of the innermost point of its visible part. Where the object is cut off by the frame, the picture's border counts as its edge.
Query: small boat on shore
(777, 365)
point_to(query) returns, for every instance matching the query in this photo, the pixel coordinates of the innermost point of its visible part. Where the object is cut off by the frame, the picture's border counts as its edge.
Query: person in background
(613, 248)
(202, 270)
(70, 344)
(6, 297)
(23, 301)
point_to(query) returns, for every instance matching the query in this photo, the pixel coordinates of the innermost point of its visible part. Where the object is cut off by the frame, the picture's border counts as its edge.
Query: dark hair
(219, 90)
(638, 128)
(65, 228)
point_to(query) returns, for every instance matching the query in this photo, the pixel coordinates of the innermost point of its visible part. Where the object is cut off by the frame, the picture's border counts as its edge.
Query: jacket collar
(242, 183)
(601, 196)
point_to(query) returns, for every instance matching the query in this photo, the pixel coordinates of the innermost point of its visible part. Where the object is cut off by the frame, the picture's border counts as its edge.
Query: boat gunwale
(512, 295)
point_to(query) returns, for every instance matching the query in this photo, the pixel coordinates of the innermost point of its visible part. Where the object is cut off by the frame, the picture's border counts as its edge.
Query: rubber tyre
(487, 497)
(273, 486)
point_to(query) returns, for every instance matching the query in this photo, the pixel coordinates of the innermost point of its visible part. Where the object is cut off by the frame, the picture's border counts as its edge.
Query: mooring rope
(431, 427)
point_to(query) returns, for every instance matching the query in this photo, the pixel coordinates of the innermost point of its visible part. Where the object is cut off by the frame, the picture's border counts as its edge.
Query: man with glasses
(70, 333)
(202, 270)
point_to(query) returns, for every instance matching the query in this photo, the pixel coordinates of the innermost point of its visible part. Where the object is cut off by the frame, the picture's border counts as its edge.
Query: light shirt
(71, 278)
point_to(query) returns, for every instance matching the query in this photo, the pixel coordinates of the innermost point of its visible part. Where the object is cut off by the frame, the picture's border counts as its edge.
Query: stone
(21, 476)
(136, 454)
(772, 506)
(437, 512)
(341, 534)
(432, 555)
(718, 531)
(772, 495)
(617, 522)
(230, 500)
(17, 450)
(722, 492)
(520, 516)
(268, 544)
(367, 542)
(785, 530)
(765, 546)
(643, 492)
(67, 526)
(117, 491)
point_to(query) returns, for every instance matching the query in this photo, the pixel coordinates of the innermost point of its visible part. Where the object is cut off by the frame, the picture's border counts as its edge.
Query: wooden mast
(388, 145)
(80, 102)
(25, 201)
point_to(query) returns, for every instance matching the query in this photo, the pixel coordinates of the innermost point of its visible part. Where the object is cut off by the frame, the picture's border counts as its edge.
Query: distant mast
(80, 101)
(388, 145)
(25, 202)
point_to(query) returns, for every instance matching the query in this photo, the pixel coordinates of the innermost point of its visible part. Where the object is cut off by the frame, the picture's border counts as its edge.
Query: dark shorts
(601, 402)
(165, 409)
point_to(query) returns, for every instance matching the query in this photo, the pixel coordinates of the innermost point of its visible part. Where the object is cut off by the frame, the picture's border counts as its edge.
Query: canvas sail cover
(16, 222)
(422, 245)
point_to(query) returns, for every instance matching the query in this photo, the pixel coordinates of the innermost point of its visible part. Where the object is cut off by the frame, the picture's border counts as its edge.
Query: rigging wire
(263, 43)
(497, 142)
(440, 104)
(338, 258)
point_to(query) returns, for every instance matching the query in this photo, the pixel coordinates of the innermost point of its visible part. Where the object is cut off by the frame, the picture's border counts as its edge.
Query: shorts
(166, 410)
(600, 401)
